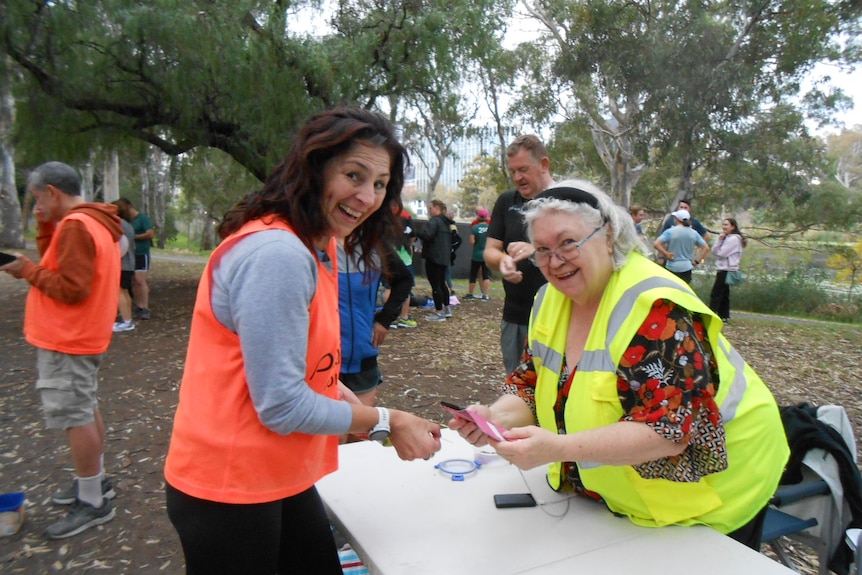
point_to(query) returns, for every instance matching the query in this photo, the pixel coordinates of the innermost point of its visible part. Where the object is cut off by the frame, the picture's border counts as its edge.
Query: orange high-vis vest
(83, 328)
(220, 451)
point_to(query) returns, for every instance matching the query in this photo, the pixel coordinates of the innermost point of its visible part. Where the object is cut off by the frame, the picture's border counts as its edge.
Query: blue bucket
(11, 513)
(11, 501)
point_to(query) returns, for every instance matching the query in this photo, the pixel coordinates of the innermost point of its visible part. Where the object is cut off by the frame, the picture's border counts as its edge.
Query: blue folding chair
(779, 523)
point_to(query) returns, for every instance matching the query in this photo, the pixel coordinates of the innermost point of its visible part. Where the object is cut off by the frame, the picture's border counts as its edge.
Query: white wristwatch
(380, 432)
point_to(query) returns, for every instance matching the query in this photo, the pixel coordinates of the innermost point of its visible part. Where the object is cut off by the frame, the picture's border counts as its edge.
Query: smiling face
(584, 278)
(531, 176)
(727, 227)
(354, 187)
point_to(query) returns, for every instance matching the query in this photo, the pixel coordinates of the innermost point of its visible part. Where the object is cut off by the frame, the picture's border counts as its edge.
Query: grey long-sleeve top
(261, 290)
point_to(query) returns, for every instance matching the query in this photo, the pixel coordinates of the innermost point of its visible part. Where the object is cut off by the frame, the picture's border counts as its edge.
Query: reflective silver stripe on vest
(550, 358)
(739, 385)
(600, 360)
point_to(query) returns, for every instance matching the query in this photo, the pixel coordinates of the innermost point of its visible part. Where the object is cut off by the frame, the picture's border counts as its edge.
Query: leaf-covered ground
(458, 360)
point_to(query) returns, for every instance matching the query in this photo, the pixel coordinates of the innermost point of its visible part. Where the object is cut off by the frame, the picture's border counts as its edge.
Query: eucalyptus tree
(845, 150)
(481, 183)
(237, 76)
(497, 71)
(432, 102)
(587, 72)
(210, 183)
(11, 230)
(670, 80)
(439, 124)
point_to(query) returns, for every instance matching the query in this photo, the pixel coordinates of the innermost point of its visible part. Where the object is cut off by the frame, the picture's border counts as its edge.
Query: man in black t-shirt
(507, 247)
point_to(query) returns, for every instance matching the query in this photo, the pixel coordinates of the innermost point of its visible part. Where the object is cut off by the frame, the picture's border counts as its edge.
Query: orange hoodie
(74, 290)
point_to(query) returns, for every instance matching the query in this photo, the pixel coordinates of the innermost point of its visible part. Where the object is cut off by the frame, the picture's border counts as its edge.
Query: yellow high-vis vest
(756, 444)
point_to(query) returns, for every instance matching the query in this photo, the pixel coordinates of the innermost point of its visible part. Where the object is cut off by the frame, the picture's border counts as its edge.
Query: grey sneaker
(435, 317)
(70, 494)
(124, 326)
(81, 517)
(447, 313)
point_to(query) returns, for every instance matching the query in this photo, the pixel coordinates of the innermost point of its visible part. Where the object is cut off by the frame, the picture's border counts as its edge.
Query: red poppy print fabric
(667, 379)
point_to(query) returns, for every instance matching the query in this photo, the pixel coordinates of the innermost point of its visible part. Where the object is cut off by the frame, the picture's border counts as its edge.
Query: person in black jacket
(436, 248)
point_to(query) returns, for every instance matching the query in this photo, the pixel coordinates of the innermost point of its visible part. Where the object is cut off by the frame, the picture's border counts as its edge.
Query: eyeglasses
(565, 252)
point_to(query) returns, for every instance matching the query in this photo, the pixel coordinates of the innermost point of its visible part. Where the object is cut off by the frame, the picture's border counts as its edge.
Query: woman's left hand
(346, 394)
(529, 447)
(378, 334)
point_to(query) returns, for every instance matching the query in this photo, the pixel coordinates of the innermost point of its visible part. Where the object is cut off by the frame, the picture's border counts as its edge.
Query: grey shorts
(364, 381)
(68, 385)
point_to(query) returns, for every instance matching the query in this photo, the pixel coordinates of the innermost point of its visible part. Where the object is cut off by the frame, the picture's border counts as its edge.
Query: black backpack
(456, 241)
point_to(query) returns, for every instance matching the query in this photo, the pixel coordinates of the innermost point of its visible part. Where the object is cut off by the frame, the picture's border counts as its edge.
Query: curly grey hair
(625, 237)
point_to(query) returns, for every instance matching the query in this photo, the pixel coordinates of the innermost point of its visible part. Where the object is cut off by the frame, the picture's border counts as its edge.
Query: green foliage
(481, 184)
(791, 289)
(706, 94)
(848, 261)
(845, 153)
(573, 153)
(233, 76)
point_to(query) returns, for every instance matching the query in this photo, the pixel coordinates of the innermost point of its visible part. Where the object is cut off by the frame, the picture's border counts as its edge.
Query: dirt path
(457, 360)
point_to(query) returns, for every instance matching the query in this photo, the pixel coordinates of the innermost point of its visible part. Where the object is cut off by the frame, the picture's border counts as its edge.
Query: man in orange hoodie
(69, 319)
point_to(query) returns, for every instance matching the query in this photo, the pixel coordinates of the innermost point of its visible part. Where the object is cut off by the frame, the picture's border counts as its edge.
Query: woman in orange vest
(261, 407)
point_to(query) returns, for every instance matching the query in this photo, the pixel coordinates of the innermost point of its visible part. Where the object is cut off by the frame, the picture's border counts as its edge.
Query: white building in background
(418, 208)
(467, 149)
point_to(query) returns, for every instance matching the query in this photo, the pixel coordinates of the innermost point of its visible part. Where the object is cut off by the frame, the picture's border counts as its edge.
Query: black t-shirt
(507, 225)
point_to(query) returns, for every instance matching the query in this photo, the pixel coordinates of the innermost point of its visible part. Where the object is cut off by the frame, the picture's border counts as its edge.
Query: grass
(781, 284)
(801, 292)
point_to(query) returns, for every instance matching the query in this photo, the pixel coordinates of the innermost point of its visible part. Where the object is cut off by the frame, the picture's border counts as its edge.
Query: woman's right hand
(469, 430)
(412, 436)
(509, 269)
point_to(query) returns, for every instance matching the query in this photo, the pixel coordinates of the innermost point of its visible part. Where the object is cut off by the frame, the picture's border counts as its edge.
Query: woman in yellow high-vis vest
(627, 389)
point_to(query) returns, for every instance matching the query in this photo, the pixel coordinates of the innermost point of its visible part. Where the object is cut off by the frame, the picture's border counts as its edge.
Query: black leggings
(290, 536)
(437, 278)
(719, 297)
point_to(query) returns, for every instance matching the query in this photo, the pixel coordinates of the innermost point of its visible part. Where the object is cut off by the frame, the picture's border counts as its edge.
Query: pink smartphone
(489, 428)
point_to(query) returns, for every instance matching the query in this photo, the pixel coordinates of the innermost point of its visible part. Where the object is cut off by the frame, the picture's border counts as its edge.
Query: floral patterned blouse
(667, 379)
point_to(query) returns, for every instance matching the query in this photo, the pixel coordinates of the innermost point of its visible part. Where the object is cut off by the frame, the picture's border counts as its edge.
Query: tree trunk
(11, 230)
(208, 231)
(87, 186)
(615, 149)
(438, 172)
(685, 174)
(155, 185)
(111, 187)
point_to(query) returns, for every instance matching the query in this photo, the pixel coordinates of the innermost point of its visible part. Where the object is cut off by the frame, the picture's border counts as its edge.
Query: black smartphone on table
(510, 500)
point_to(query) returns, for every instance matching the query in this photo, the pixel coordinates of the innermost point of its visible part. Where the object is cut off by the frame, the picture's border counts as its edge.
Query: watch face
(379, 435)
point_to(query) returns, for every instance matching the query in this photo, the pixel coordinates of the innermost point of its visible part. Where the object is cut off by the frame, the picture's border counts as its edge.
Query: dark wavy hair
(736, 230)
(294, 190)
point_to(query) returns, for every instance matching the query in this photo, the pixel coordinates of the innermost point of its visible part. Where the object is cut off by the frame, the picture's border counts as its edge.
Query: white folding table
(410, 518)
